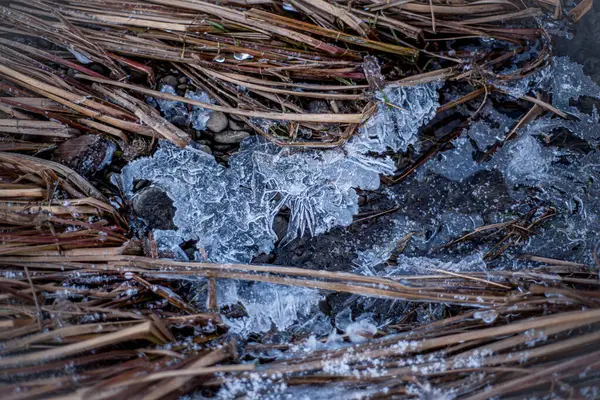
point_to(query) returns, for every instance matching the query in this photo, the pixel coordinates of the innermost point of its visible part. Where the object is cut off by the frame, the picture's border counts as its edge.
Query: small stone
(217, 121)
(86, 154)
(169, 80)
(223, 148)
(280, 226)
(236, 126)
(231, 137)
(154, 206)
(182, 88)
(204, 148)
(183, 80)
(225, 158)
(204, 142)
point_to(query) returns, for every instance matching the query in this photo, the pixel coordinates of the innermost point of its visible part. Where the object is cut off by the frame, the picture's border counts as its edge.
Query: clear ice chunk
(401, 112)
(229, 212)
(177, 112)
(266, 305)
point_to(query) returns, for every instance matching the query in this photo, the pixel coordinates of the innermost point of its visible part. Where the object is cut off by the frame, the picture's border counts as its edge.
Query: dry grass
(253, 58)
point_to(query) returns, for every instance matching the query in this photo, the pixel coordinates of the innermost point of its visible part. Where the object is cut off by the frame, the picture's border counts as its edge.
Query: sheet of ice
(368, 260)
(266, 305)
(424, 265)
(459, 163)
(401, 112)
(229, 212)
(563, 78)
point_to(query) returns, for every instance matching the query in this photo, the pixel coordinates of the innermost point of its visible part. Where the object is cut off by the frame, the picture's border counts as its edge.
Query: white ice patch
(177, 112)
(230, 211)
(401, 112)
(266, 305)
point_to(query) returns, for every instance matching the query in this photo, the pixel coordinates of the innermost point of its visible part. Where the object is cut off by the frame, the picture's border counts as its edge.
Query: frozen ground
(327, 210)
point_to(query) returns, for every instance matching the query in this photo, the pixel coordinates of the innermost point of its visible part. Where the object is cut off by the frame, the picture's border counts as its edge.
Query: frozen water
(177, 112)
(401, 112)
(173, 111)
(459, 163)
(424, 265)
(199, 116)
(367, 260)
(562, 176)
(528, 163)
(80, 57)
(229, 212)
(266, 305)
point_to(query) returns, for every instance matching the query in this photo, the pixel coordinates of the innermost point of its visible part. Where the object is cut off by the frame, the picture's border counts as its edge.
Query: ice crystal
(457, 164)
(400, 114)
(266, 305)
(423, 265)
(229, 212)
(367, 260)
(177, 112)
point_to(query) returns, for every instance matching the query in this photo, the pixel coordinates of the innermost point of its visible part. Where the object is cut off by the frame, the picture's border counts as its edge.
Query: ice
(491, 128)
(266, 305)
(401, 112)
(561, 173)
(528, 163)
(229, 212)
(199, 116)
(361, 330)
(459, 163)
(80, 57)
(367, 260)
(174, 111)
(563, 78)
(424, 265)
(177, 112)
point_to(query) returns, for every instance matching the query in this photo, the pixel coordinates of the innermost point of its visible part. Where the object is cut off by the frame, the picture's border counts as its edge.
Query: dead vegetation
(255, 59)
(86, 315)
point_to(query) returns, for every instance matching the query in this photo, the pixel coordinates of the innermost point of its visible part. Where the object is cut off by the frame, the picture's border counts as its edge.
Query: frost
(528, 163)
(395, 124)
(173, 111)
(488, 316)
(379, 254)
(177, 112)
(423, 265)
(229, 212)
(457, 164)
(199, 116)
(252, 386)
(564, 78)
(266, 305)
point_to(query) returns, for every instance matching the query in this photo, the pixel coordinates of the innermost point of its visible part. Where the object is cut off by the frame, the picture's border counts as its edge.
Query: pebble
(217, 122)
(235, 126)
(86, 154)
(230, 137)
(204, 148)
(280, 226)
(155, 207)
(169, 80)
(221, 147)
